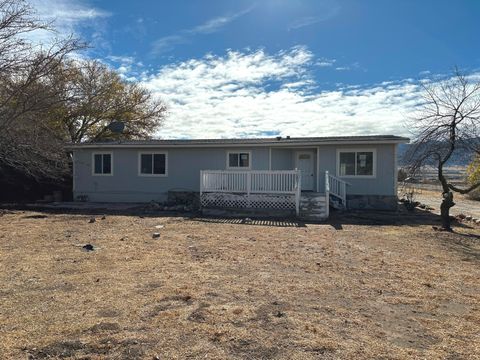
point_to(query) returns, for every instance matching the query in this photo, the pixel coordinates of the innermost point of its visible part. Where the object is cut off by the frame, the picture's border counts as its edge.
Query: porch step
(313, 207)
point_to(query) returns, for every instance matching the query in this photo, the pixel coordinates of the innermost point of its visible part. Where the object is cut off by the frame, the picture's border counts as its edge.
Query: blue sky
(290, 67)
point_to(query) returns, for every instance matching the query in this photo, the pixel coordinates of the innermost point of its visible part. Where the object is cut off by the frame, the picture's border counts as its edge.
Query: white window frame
(357, 150)
(249, 152)
(111, 162)
(140, 153)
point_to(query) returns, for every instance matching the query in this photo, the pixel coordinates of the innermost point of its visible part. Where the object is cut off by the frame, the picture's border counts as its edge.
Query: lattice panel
(252, 201)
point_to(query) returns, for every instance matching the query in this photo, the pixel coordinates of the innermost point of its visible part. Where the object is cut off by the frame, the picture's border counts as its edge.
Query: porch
(272, 190)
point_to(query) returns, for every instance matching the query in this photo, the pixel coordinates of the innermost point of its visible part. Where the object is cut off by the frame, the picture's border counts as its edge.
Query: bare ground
(431, 195)
(361, 287)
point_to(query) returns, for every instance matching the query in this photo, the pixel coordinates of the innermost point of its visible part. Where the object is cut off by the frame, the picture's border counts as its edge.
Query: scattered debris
(104, 217)
(88, 247)
(156, 235)
(123, 238)
(35, 216)
(468, 218)
(159, 226)
(91, 221)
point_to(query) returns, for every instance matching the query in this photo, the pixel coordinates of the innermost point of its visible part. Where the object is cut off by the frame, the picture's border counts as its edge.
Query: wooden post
(327, 194)
(249, 186)
(201, 187)
(298, 193)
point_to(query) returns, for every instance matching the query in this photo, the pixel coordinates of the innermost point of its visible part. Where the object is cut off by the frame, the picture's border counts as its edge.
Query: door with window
(305, 163)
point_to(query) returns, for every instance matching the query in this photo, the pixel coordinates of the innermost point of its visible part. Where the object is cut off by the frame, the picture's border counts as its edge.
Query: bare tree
(27, 143)
(94, 95)
(447, 124)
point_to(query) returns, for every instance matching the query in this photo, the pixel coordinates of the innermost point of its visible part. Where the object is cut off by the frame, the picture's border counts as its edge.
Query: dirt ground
(431, 195)
(363, 286)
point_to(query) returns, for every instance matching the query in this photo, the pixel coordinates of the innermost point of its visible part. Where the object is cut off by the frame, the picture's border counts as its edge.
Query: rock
(104, 217)
(154, 205)
(422, 206)
(159, 226)
(477, 221)
(247, 220)
(461, 216)
(156, 235)
(468, 218)
(91, 221)
(88, 247)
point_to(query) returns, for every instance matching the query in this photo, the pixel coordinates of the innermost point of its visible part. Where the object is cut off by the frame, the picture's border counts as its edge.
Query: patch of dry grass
(226, 291)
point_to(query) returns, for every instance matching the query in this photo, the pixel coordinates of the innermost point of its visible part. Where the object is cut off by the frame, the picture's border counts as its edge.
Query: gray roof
(275, 141)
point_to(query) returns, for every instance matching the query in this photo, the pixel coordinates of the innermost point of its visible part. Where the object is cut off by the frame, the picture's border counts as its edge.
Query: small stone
(461, 216)
(247, 220)
(478, 221)
(468, 218)
(91, 221)
(159, 226)
(156, 235)
(88, 247)
(104, 217)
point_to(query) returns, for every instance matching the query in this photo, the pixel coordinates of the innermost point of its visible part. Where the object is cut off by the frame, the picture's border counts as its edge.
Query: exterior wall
(183, 173)
(384, 183)
(184, 165)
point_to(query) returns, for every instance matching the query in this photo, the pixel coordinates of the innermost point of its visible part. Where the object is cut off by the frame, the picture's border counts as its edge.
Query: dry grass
(235, 291)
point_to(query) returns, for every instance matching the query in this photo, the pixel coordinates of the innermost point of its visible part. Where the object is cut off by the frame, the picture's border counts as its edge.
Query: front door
(304, 163)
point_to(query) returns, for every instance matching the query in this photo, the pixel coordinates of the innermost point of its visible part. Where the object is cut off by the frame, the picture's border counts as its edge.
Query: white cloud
(324, 62)
(167, 43)
(255, 93)
(329, 11)
(66, 17)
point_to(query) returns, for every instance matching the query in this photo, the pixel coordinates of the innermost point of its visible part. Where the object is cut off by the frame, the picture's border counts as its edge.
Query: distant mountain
(459, 157)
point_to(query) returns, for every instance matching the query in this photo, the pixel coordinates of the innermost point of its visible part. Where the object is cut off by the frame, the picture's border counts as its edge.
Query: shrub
(473, 177)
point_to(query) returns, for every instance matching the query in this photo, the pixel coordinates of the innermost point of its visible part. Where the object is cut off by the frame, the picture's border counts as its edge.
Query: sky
(261, 68)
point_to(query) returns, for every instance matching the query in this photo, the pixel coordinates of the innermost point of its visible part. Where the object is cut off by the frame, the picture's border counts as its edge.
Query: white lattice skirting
(245, 201)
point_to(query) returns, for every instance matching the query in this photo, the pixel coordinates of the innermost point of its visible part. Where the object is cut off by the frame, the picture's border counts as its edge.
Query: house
(305, 175)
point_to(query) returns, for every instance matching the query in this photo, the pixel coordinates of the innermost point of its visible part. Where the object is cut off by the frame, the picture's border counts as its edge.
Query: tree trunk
(447, 203)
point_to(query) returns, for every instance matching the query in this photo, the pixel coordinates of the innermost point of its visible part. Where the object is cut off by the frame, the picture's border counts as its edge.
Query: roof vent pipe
(279, 138)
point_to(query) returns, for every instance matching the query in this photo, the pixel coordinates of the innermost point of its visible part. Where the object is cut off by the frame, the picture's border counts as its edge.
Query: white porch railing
(280, 186)
(336, 187)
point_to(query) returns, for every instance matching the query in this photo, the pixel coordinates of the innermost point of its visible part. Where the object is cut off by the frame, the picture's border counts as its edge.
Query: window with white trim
(238, 160)
(102, 163)
(153, 164)
(356, 163)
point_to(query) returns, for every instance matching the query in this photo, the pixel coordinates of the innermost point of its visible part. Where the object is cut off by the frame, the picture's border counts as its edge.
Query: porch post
(327, 194)
(249, 186)
(299, 192)
(270, 158)
(318, 168)
(201, 188)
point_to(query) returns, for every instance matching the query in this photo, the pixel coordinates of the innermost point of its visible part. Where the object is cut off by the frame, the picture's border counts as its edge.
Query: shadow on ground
(337, 220)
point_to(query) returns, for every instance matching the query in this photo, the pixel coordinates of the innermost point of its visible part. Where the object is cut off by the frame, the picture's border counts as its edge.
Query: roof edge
(260, 142)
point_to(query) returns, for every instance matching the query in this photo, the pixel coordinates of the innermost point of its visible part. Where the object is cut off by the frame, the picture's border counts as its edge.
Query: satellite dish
(116, 127)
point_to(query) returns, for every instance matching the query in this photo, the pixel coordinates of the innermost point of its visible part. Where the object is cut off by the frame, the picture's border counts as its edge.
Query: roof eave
(260, 144)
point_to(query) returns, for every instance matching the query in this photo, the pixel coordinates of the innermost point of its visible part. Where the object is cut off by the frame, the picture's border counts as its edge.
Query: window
(152, 164)
(356, 163)
(102, 164)
(238, 160)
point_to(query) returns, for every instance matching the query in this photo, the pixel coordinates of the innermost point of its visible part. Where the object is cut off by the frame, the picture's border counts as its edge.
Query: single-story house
(305, 175)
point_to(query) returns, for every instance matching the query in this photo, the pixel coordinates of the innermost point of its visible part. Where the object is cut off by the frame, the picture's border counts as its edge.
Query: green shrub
(473, 177)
